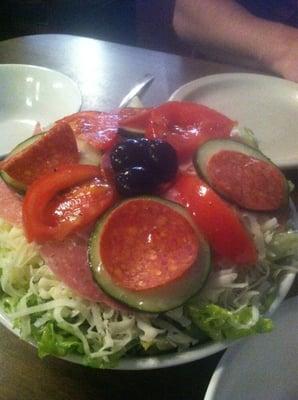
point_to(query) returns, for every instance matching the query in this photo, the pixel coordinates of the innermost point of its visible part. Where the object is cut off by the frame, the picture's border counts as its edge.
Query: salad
(142, 232)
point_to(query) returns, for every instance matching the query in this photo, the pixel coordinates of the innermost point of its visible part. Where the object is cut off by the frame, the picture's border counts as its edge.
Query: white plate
(170, 360)
(31, 94)
(264, 366)
(265, 104)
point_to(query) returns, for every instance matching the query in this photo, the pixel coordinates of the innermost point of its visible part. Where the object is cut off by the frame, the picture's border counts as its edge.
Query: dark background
(143, 23)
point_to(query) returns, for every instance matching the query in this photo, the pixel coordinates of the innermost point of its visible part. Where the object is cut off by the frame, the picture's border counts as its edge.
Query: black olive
(129, 153)
(163, 160)
(141, 165)
(135, 181)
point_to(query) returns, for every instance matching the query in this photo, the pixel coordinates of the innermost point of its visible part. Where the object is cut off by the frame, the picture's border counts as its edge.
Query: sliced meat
(68, 261)
(147, 243)
(251, 183)
(10, 205)
(53, 149)
(37, 129)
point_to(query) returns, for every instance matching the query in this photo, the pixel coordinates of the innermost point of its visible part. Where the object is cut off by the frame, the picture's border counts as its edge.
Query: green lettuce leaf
(221, 324)
(283, 246)
(7, 303)
(52, 340)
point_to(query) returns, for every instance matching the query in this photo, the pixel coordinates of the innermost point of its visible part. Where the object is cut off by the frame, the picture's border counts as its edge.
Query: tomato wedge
(99, 128)
(64, 201)
(187, 125)
(137, 122)
(221, 225)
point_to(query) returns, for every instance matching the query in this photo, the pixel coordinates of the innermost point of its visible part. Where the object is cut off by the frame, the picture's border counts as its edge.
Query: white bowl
(31, 94)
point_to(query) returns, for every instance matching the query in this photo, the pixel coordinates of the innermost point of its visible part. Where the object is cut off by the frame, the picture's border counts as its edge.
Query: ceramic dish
(265, 104)
(194, 353)
(31, 94)
(263, 367)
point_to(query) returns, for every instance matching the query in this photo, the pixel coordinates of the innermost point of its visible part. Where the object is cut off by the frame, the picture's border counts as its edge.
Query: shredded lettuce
(221, 324)
(283, 247)
(61, 323)
(52, 340)
(43, 310)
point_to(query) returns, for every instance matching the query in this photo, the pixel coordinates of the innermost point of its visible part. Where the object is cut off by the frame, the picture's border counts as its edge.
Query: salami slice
(10, 205)
(51, 150)
(251, 183)
(68, 261)
(146, 244)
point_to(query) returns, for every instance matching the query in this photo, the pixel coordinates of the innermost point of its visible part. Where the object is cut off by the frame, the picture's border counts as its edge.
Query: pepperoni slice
(249, 182)
(53, 149)
(146, 244)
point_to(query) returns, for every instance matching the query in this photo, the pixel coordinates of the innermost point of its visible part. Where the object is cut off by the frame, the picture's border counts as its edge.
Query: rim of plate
(184, 91)
(200, 351)
(187, 88)
(50, 70)
(172, 359)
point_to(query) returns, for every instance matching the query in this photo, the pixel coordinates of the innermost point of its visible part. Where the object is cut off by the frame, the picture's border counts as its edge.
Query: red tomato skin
(99, 128)
(38, 221)
(138, 121)
(218, 221)
(186, 126)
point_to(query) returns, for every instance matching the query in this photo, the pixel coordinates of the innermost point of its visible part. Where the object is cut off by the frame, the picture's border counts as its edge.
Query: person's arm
(226, 31)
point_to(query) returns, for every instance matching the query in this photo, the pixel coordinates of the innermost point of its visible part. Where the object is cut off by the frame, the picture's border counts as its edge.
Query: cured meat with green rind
(242, 175)
(38, 155)
(148, 254)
